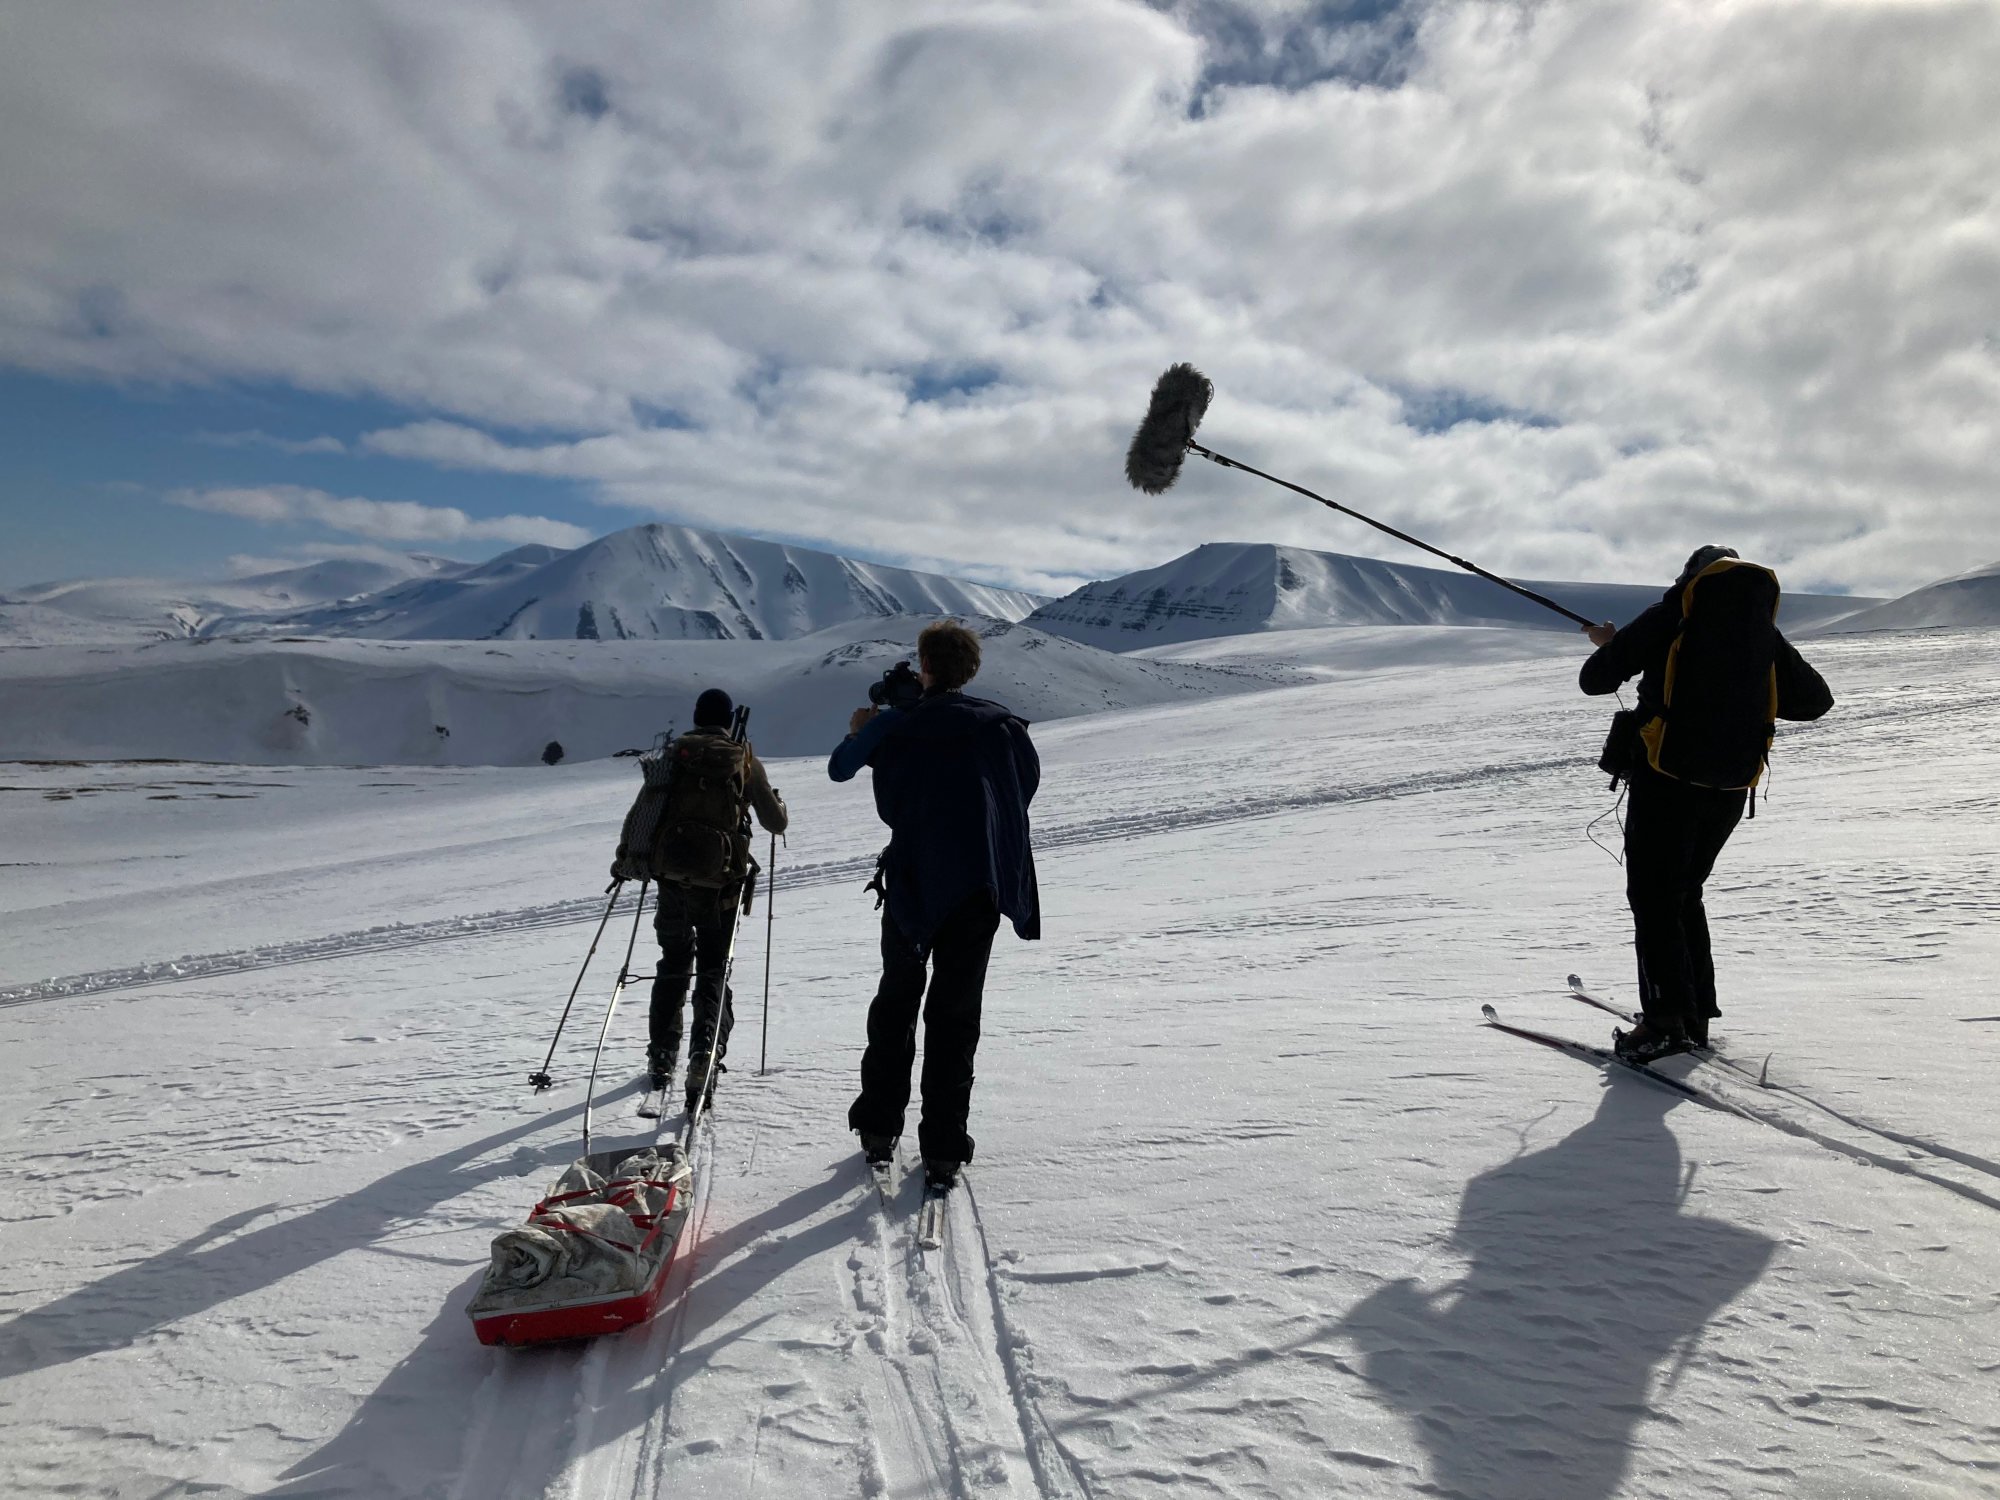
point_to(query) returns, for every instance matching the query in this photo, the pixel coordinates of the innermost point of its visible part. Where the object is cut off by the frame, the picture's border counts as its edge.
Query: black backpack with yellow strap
(1720, 688)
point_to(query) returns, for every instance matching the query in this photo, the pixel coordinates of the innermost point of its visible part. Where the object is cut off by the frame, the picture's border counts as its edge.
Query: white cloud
(248, 564)
(1745, 257)
(382, 520)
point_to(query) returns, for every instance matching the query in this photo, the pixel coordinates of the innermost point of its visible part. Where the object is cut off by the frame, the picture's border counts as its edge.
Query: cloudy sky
(1567, 288)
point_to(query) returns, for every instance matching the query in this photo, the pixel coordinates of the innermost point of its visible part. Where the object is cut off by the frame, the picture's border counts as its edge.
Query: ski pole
(1166, 435)
(624, 973)
(540, 1077)
(770, 916)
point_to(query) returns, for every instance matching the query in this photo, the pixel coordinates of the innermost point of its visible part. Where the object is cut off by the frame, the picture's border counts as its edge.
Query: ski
(1702, 1053)
(653, 1101)
(1602, 1056)
(1577, 991)
(883, 1175)
(931, 1218)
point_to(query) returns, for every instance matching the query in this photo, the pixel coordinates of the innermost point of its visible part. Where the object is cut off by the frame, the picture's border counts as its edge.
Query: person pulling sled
(689, 831)
(1715, 674)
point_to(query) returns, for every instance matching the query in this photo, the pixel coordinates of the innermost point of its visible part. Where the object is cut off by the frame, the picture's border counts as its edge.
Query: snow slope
(1970, 600)
(137, 609)
(360, 702)
(1227, 588)
(1259, 1208)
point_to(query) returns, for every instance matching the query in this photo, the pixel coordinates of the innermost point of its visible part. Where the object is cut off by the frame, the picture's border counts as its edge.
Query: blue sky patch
(1440, 408)
(84, 467)
(1364, 43)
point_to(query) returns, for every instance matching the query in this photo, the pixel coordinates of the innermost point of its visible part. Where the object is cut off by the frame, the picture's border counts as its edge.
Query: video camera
(900, 687)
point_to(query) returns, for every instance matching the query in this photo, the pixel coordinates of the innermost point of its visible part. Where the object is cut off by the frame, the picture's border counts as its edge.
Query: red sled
(594, 1254)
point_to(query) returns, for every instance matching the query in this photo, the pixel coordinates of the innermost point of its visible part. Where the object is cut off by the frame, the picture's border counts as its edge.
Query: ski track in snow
(963, 1414)
(390, 939)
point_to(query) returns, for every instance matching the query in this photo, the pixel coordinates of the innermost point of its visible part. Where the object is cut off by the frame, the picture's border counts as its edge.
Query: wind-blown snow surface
(1229, 588)
(1968, 600)
(1258, 1210)
(441, 703)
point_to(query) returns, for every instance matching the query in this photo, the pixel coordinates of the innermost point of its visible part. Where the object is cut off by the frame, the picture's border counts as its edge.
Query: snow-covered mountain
(131, 609)
(645, 583)
(662, 582)
(388, 611)
(1970, 599)
(1231, 588)
(443, 703)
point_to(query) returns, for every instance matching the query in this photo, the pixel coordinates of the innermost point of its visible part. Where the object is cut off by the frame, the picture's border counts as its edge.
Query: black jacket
(953, 779)
(1640, 650)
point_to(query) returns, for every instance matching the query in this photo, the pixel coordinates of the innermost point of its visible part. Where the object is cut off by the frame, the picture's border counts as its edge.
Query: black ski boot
(1646, 1043)
(694, 1094)
(940, 1176)
(659, 1070)
(879, 1149)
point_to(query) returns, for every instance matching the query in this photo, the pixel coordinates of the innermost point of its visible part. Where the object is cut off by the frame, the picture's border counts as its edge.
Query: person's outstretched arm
(1802, 692)
(772, 814)
(863, 735)
(1627, 653)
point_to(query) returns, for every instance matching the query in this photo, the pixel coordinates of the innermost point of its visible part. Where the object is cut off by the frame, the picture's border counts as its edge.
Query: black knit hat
(712, 710)
(1701, 557)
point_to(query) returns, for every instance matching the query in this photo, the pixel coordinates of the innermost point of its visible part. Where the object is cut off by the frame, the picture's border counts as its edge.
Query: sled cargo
(594, 1254)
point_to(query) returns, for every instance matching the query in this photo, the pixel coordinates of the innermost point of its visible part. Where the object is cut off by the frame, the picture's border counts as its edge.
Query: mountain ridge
(648, 582)
(1231, 588)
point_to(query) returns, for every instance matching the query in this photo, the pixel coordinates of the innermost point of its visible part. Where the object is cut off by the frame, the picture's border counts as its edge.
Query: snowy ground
(1259, 1209)
(499, 703)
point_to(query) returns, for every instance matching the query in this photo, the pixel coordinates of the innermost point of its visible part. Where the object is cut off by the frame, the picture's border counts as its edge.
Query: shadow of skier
(228, 1259)
(408, 1437)
(1525, 1380)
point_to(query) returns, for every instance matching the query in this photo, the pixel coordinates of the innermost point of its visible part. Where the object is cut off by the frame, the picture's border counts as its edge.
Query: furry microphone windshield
(1180, 399)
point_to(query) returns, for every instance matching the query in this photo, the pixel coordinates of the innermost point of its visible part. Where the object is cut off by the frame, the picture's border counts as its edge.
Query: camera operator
(953, 778)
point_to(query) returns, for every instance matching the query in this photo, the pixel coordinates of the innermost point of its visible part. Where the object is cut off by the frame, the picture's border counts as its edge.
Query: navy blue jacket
(953, 779)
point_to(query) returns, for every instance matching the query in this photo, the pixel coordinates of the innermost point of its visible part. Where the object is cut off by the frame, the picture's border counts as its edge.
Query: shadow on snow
(1526, 1379)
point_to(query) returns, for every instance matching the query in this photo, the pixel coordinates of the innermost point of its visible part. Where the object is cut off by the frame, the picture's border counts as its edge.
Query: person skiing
(701, 859)
(954, 776)
(1714, 674)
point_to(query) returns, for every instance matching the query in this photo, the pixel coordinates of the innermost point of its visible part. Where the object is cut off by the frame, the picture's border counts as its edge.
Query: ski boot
(1647, 1043)
(940, 1176)
(879, 1149)
(694, 1092)
(659, 1069)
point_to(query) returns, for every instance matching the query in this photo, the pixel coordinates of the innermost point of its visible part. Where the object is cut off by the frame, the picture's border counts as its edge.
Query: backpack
(1720, 690)
(641, 830)
(700, 838)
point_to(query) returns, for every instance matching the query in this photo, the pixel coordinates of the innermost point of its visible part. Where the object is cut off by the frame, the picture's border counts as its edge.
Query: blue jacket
(953, 779)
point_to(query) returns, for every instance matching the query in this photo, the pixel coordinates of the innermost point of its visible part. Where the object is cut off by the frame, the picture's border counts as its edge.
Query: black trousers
(958, 958)
(1673, 833)
(693, 925)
